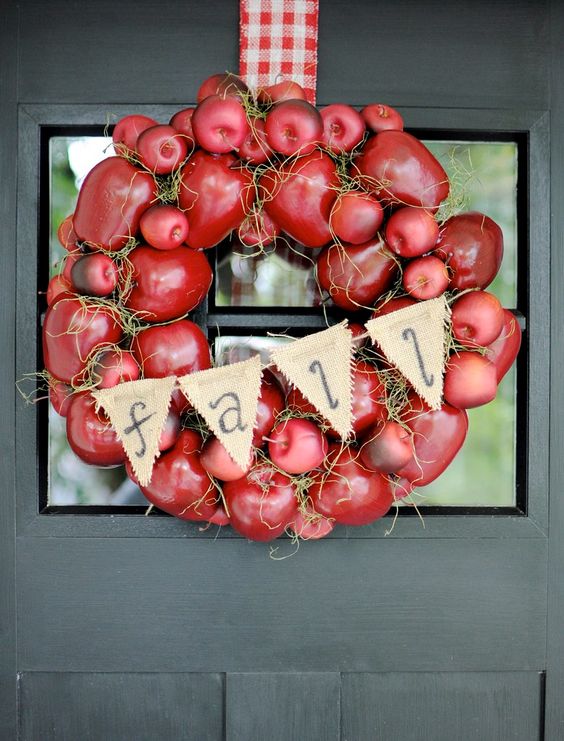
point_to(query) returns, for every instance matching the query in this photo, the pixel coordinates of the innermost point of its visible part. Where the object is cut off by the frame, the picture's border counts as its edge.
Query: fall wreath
(270, 168)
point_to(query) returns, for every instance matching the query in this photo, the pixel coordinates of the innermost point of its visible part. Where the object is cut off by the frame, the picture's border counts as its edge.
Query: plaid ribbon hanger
(278, 41)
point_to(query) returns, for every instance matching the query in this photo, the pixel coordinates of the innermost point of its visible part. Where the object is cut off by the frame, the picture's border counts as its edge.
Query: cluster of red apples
(257, 167)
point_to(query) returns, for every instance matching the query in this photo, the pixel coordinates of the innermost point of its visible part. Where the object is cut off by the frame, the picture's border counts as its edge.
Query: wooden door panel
(442, 706)
(120, 707)
(184, 605)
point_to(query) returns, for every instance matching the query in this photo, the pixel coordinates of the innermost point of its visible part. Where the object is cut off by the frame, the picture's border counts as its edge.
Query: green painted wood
(8, 203)
(445, 706)
(282, 707)
(555, 667)
(120, 707)
(186, 605)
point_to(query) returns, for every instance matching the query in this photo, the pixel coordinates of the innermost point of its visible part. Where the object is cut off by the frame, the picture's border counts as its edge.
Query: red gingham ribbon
(278, 41)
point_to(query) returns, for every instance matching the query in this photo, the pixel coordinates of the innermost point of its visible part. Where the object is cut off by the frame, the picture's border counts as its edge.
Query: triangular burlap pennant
(413, 339)
(227, 398)
(138, 411)
(320, 365)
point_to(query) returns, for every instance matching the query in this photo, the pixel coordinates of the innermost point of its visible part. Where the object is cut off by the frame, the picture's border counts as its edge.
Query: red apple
(356, 217)
(217, 461)
(399, 169)
(270, 404)
(161, 149)
(310, 525)
(411, 232)
(258, 229)
(297, 445)
(182, 122)
(127, 130)
(95, 275)
(425, 277)
(60, 396)
(285, 90)
(381, 117)
(220, 124)
(387, 447)
(503, 351)
(477, 318)
(356, 275)
(293, 126)
(224, 84)
(58, 285)
(343, 127)
(90, 434)
(113, 367)
(472, 246)
(470, 380)
(164, 226)
(66, 234)
(254, 147)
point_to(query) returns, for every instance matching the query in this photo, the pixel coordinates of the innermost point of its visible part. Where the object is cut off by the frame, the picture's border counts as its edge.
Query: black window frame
(529, 129)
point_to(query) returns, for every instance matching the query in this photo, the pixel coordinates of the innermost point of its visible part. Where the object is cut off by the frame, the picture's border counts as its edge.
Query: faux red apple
(349, 493)
(297, 445)
(217, 461)
(179, 484)
(472, 246)
(167, 284)
(293, 126)
(164, 226)
(113, 367)
(161, 149)
(438, 435)
(355, 275)
(220, 124)
(58, 285)
(127, 131)
(216, 192)
(470, 380)
(299, 196)
(398, 168)
(343, 127)
(394, 304)
(254, 147)
(182, 122)
(224, 84)
(477, 318)
(262, 504)
(72, 329)
(95, 275)
(381, 117)
(285, 90)
(112, 198)
(66, 234)
(90, 434)
(270, 404)
(171, 349)
(503, 351)
(310, 525)
(411, 232)
(387, 447)
(60, 396)
(425, 278)
(356, 217)
(258, 229)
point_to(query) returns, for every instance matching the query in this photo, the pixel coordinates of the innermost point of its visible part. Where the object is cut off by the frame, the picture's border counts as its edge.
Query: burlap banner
(227, 398)
(320, 365)
(413, 339)
(138, 411)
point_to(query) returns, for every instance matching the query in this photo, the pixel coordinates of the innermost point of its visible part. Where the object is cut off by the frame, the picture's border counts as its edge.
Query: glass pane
(484, 177)
(281, 275)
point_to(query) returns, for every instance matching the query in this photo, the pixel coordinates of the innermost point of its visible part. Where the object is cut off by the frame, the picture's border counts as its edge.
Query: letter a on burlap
(227, 398)
(413, 339)
(138, 412)
(320, 366)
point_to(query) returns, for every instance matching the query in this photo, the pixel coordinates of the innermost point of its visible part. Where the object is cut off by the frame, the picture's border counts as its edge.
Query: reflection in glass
(484, 178)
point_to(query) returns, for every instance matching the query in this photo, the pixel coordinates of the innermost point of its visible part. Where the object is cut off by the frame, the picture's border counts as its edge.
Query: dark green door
(119, 626)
